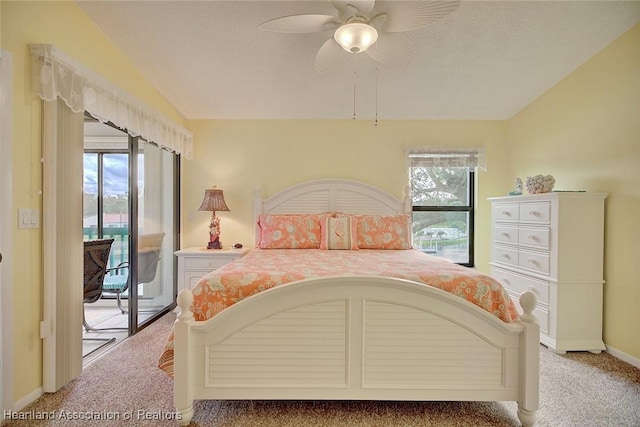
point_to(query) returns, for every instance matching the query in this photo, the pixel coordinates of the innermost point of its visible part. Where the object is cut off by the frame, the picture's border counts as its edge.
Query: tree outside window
(442, 184)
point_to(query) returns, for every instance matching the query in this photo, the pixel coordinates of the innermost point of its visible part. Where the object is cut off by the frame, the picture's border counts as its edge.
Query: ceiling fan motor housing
(356, 36)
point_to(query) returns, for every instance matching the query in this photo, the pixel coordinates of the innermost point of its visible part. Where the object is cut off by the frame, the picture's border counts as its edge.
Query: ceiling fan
(378, 28)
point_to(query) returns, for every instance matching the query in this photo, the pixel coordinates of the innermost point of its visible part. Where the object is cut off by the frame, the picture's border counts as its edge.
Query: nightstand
(193, 263)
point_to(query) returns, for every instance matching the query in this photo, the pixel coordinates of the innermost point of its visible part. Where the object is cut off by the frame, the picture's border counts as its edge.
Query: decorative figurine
(214, 233)
(518, 190)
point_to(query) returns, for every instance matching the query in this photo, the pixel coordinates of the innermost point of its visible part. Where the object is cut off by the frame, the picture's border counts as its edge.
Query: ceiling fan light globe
(356, 37)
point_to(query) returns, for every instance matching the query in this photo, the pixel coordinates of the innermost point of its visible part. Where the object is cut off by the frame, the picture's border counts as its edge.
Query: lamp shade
(356, 37)
(213, 201)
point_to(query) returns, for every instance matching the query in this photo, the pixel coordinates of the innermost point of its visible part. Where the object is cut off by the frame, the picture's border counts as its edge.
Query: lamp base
(214, 245)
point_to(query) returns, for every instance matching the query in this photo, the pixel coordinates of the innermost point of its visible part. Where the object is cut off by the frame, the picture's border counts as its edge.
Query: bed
(330, 333)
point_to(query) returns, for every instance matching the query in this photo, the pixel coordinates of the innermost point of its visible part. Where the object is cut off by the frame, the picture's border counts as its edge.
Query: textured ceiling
(487, 60)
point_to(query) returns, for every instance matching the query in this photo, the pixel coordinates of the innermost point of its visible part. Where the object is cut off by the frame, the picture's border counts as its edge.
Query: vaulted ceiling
(486, 60)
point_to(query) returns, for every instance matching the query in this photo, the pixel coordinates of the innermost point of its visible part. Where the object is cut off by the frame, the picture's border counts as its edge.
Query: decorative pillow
(338, 233)
(383, 231)
(290, 231)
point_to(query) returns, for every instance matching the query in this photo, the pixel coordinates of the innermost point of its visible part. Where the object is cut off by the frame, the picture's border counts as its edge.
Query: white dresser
(552, 244)
(193, 263)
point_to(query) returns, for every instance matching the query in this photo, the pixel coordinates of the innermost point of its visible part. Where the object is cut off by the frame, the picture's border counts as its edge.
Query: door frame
(6, 237)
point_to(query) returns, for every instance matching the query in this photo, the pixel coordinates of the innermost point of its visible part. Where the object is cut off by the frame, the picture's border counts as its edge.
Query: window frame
(470, 209)
(100, 153)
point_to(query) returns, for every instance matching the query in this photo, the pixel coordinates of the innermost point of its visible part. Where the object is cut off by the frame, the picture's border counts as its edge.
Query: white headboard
(330, 195)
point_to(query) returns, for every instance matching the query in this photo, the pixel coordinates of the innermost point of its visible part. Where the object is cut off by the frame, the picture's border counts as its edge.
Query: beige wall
(586, 132)
(64, 25)
(240, 155)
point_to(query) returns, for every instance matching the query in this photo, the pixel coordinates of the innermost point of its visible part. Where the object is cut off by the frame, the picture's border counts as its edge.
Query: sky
(116, 173)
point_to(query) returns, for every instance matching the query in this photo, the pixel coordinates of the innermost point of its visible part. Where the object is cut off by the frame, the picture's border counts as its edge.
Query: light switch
(22, 218)
(28, 218)
(34, 218)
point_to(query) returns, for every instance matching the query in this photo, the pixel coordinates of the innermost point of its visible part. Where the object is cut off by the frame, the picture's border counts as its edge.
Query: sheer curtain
(55, 74)
(451, 157)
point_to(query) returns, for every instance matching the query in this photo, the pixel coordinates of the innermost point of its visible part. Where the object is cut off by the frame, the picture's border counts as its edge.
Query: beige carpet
(124, 388)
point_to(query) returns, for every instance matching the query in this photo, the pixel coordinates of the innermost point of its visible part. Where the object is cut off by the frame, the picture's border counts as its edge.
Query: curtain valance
(56, 74)
(448, 157)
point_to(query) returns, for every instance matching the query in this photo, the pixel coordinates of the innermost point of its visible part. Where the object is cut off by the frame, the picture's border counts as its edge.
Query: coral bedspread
(264, 269)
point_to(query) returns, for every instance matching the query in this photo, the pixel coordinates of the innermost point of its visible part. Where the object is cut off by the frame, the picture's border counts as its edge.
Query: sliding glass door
(130, 195)
(155, 236)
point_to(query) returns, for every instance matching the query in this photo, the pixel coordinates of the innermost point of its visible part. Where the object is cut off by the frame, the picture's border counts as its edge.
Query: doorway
(130, 197)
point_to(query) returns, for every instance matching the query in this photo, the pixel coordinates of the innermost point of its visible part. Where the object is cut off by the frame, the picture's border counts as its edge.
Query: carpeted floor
(125, 388)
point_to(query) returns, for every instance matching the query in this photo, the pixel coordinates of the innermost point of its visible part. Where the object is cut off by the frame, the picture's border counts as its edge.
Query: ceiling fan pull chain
(355, 75)
(376, 122)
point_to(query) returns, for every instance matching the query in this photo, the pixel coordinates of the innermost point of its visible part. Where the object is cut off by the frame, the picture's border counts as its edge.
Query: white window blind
(448, 157)
(55, 74)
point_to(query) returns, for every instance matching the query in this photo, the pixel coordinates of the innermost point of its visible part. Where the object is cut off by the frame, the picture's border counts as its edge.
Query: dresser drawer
(518, 283)
(535, 261)
(504, 212)
(206, 263)
(541, 312)
(535, 212)
(191, 278)
(505, 234)
(505, 255)
(535, 237)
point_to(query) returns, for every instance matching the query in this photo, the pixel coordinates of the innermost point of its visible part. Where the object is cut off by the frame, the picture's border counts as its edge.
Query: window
(442, 189)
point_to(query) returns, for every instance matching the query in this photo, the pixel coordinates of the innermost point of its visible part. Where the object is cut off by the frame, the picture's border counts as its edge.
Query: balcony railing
(119, 249)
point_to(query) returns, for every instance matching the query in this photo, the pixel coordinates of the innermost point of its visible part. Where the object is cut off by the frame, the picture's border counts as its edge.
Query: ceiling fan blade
(365, 7)
(394, 50)
(301, 24)
(411, 15)
(330, 56)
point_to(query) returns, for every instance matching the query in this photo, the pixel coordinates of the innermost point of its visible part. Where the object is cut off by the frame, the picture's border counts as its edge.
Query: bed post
(408, 202)
(257, 211)
(528, 402)
(182, 381)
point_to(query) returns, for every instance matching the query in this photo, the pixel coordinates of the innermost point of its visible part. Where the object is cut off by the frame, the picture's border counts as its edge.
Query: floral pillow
(383, 231)
(338, 233)
(290, 231)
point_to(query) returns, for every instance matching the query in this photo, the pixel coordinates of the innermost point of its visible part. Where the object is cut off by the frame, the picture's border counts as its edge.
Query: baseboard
(27, 400)
(623, 356)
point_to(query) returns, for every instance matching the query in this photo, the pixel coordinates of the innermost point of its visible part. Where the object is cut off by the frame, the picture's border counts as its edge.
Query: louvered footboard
(356, 338)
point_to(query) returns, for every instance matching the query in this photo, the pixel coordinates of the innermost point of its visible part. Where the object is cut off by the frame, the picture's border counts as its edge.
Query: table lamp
(214, 201)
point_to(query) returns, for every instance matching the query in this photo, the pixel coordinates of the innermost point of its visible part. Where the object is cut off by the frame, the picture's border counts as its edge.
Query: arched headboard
(331, 195)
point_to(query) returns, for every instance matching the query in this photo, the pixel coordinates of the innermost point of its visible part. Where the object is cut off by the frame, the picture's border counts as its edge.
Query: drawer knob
(503, 234)
(505, 256)
(533, 262)
(534, 290)
(534, 213)
(505, 281)
(506, 213)
(532, 237)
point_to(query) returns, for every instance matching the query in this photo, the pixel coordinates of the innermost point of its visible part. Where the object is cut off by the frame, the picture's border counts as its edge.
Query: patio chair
(96, 257)
(149, 248)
